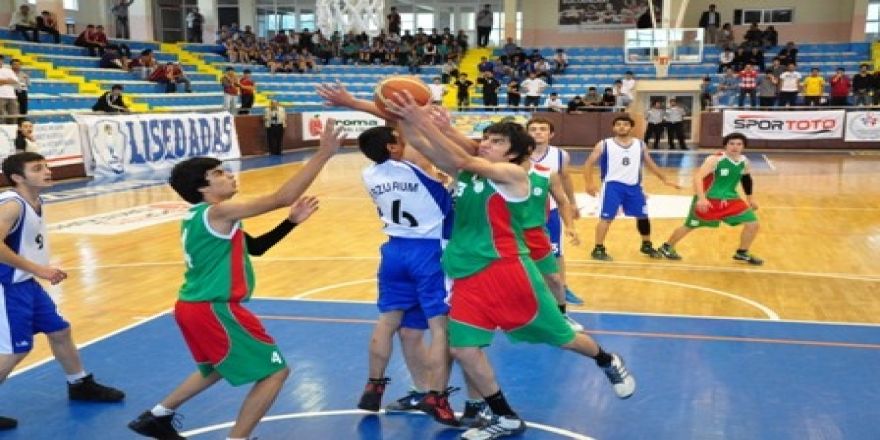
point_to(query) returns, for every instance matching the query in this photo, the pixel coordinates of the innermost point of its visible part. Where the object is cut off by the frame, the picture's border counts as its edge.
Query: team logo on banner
(108, 144)
(354, 123)
(862, 127)
(785, 125)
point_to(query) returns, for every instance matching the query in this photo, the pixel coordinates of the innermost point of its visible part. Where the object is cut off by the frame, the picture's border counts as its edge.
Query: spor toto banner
(862, 127)
(59, 143)
(785, 125)
(355, 123)
(121, 145)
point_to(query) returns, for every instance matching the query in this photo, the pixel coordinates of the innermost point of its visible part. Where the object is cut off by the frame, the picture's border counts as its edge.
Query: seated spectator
(725, 60)
(509, 48)
(755, 57)
(771, 37)
(111, 102)
(608, 98)
(21, 89)
(171, 74)
(754, 37)
(554, 103)
(725, 37)
(47, 23)
(144, 65)
(24, 137)
(560, 61)
(788, 54)
(627, 88)
(740, 59)
(593, 98)
(542, 70)
(87, 39)
(485, 65)
(23, 21)
(728, 88)
(113, 60)
(777, 67)
(577, 105)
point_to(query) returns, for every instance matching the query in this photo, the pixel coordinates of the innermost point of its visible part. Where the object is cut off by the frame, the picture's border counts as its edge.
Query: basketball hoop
(661, 65)
(350, 15)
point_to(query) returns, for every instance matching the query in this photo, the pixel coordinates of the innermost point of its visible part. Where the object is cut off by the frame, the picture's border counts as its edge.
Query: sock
(76, 377)
(603, 359)
(742, 251)
(499, 405)
(600, 246)
(474, 401)
(161, 411)
(646, 242)
(562, 308)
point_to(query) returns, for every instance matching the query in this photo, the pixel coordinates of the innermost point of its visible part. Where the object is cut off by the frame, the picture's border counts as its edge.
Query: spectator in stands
(393, 21)
(777, 68)
(112, 101)
(534, 88)
(462, 40)
(768, 89)
(490, 90)
(120, 12)
(814, 87)
(514, 94)
(113, 60)
(840, 88)
(449, 71)
(170, 74)
(24, 137)
(674, 118)
(771, 37)
(707, 93)
(593, 98)
(485, 65)
(463, 96)
(21, 89)
(47, 23)
(754, 36)
(194, 22)
(875, 87)
(789, 86)
(710, 21)
(8, 99)
(87, 39)
(755, 57)
(275, 121)
(725, 36)
(740, 58)
(144, 64)
(23, 21)
(247, 88)
(862, 85)
(577, 105)
(230, 89)
(654, 119)
(509, 48)
(542, 70)
(608, 98)
(788, 54)
(437, 91)
(560, 61)
(101, 38)
(725, 60)
(644, 21)
(485, 20)
(554, 103)
(628, 88)
(748, 83)
(728, 88)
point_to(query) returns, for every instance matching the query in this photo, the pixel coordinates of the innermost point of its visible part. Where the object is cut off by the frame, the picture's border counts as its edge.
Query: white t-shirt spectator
(555, 104)
(789, 81)
(436, 92)
(533, 87)
(7, 91)
(627, 87)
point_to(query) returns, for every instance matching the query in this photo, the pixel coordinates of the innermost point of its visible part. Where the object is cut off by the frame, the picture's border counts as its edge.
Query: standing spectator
(450, 71)
(230, 89)
(534, 88)
(754, 36)
(755, 57)
(814, 87)
(788, 54)
(560, 61)
(21, 89)
(394, 21)
(674, 117)
(88, 39)
(275, 121)
(120, 11)
(707, 93)
(514, 94)
(464, 91)
(24, 21)
(725, 36)
(112, 101)
(485, 20)
(247, 89)
(875, 87)
(485, 65)
(490, 90)
(777, 68)
(748, 82)
(554, 103)
(740, 58)
(771, 37)
(24, 137)
(627, 88)
(728, 88)
(789, 86)
(725, 60)
(768, 89)
(194, 21)
(710, 21)
(8, 99)
(510, 48)
(861, 86)
(840, 88)
(654, 118)
(47, 23)
(437, 91)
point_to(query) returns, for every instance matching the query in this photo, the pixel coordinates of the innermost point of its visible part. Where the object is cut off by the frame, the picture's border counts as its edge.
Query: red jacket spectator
(840, 84)
(748, 79)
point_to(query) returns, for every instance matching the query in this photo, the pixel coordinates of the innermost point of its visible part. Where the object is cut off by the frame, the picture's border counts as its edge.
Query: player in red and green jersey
(717, 199)
(495, 283)
(226, 340)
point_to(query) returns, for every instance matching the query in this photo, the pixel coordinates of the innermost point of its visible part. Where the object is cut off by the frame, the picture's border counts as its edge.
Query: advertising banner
(355, 123)
(785, 125)
(58, 143)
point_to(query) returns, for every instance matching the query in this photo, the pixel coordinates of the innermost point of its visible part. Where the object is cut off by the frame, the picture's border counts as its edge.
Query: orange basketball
(386, 89)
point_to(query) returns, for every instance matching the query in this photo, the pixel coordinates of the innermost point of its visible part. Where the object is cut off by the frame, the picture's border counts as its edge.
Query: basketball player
(717, 200)
(414, 207)
(226, 340)
(557, 160)
(25, 308)
(620, 160)
(495, 283)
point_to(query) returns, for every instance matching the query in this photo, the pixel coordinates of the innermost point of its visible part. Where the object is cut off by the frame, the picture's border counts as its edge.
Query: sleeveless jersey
(218, 268)
(534, 210)
(722, 183)
(619, 164)
(27, 238)
(552, 159)
(486, 227)
(411, 203)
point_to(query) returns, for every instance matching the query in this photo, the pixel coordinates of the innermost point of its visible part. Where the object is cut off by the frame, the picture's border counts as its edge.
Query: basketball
(386, 89)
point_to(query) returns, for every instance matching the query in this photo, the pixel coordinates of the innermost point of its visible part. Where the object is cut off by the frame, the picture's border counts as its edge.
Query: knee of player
(59, 336)
(282, 374)
(465, 354)
(410, 335)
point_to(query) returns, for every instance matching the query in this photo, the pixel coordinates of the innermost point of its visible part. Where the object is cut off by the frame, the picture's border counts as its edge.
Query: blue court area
(697, 379)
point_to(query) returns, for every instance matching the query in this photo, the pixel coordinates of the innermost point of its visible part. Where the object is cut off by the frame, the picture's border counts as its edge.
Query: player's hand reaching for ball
(53, 275)
(302, 209)
(332, 137)
(405, 107)
(335, 95)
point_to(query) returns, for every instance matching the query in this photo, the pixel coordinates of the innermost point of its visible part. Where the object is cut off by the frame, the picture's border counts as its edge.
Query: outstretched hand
(405, 107)
(335, 95)
(332, 137)
(302, 209)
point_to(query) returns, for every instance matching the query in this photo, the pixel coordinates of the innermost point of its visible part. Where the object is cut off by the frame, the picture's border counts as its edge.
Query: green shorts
(693, 221)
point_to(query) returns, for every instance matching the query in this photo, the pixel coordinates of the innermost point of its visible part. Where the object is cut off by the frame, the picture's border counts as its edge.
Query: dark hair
(117, 87)
(732, 136)
(626, 118)
(246, 71)
(14, 164)
(521, 144)
(14, 60)
(540, 120)
(188, 176)
(374, 143)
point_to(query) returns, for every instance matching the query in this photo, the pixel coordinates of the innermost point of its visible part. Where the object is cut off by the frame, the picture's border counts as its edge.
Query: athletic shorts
(510, 295)
(541, 250)
(732, 212)
(554, 228)
(616, 195)
(411, 280)
(228, 339)
(25, 310)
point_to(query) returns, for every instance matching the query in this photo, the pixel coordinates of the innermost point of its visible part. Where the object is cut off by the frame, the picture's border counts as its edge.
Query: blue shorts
(25, 310)
(411, 280)
(630, 197)
(554, 228)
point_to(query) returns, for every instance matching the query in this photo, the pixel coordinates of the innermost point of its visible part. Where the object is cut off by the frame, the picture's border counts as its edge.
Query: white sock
(161, 411)
(76, 377)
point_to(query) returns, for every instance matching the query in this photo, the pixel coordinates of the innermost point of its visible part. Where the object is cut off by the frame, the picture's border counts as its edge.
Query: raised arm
(335, 95)
(591, 188)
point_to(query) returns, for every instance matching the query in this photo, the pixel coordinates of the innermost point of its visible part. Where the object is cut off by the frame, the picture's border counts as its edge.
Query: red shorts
(722, 209)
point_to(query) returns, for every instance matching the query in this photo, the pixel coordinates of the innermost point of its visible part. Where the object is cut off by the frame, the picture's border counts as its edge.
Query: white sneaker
(576, 326)
(624, 383)
(496, 427)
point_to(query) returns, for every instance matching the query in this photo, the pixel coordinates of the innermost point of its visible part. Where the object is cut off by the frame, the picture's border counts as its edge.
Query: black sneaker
(475, 413)
(748, 258)
(649, 250)
(7, 423)
(371, 400)
(87, 389)
(600, 254)
(407, 403)
(669, 252)
(162, 428)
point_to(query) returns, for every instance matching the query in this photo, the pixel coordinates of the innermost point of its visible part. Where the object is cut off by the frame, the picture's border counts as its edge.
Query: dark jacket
(109, 103)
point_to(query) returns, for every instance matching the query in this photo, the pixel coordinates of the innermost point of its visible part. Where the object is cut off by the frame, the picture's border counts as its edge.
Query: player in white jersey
(25, 308)
(557, 160)
(620, 160)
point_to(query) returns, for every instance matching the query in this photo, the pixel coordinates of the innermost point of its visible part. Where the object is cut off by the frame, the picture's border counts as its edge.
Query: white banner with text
(355, 123)
(58, 143)
(785, 125)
